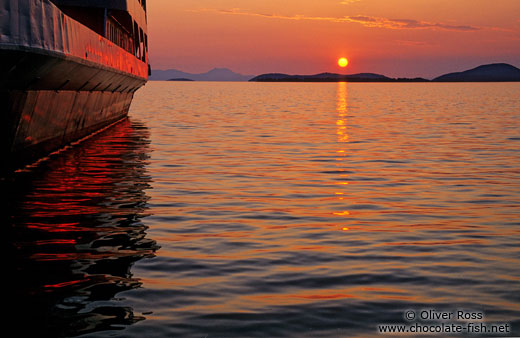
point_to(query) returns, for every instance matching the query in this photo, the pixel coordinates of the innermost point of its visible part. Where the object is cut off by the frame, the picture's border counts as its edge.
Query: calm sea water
(272, 210)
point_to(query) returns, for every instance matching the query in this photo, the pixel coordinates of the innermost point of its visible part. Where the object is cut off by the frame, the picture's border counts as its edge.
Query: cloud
(367, 21)
(407, 24)
(348, 2)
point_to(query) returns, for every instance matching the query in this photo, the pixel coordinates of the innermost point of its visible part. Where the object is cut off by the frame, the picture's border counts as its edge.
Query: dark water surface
(273, 210)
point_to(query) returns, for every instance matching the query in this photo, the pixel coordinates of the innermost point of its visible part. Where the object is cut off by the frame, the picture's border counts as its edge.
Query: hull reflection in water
(74, 231)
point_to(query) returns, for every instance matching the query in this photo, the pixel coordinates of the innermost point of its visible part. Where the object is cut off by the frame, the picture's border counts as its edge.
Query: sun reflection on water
(343, 139)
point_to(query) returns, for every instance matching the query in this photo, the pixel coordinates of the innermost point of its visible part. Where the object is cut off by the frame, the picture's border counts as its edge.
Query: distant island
(216, 74)
(497, 72)
(332, 77)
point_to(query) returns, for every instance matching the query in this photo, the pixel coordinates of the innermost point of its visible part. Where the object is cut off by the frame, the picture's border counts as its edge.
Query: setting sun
(343, 62)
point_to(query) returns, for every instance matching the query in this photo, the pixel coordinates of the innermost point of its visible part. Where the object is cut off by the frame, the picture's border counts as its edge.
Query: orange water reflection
(353, 199)
(342, 109)
(343, 139)
(75, 232)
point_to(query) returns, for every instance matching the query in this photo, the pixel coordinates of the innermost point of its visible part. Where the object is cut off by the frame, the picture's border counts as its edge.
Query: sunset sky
(392, 37)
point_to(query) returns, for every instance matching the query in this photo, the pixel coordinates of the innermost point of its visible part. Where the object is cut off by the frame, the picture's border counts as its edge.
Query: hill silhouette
(331, 77)
(499, 72)
(216, 74)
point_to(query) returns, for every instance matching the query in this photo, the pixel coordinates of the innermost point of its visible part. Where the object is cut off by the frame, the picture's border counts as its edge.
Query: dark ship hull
(63, 79)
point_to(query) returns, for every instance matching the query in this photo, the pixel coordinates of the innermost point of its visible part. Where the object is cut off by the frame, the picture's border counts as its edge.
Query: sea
(237, 209)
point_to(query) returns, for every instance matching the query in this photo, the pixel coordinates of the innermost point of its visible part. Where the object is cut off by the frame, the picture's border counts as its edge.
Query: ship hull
(52, 94)
(43, 121)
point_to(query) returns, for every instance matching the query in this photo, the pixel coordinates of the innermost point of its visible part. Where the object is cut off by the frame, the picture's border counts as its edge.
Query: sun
(342, 62)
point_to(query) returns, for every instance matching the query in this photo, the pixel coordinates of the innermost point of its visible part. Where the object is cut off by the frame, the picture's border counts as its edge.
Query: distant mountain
(497, 72)
(330, 77)
(216, 74)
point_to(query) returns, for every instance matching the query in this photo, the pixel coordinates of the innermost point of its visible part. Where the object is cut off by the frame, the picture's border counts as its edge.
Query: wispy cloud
(348, 2)
(367, 21)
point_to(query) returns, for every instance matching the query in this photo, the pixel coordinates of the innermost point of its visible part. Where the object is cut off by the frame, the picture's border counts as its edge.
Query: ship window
(136, 41)
(141, 45)
(120, 33)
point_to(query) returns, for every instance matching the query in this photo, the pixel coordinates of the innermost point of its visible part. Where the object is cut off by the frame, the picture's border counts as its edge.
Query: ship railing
(119, 35)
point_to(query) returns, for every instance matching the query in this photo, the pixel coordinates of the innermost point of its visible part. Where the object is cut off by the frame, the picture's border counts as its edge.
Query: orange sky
(392, 37)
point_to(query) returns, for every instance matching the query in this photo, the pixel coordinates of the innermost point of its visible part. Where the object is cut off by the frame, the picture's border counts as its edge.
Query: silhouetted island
(180, 79)
(498, 72)
(331, 77)
(216, 74)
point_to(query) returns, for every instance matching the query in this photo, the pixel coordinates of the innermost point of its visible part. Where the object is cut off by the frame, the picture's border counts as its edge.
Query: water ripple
(281, 210)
